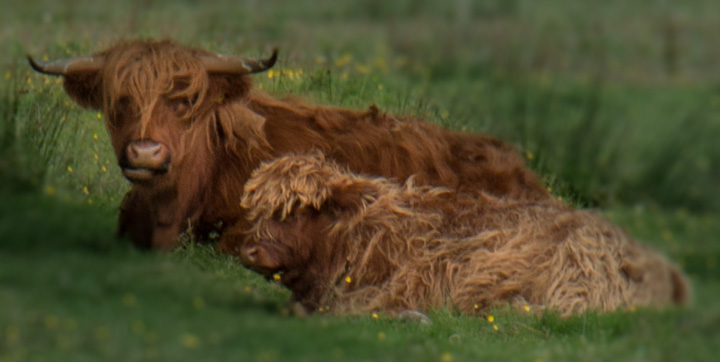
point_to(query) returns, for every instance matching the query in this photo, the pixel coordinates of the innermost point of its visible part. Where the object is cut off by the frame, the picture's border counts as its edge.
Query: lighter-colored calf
(351, 244)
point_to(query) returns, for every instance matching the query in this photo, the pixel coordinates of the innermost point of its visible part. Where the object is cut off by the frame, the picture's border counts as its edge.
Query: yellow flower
(343, 61)
(104, 169)
(476, 307)
(51, 322)
(348, 279)
(490, 318)
(401, 62)
(362, 68)
(276, 277)
(12, 334)
(527, 308)
(270, 74)
(381, 64)
(380, 87)
(101, 333)
(375, 316)
(85, 190)
(129, 299)
(446, 357)
(530, 156)
(95, 155)
(247, 289)
(95, 137)
(495, 327)
(69, 168)
(138, 327)
(667, 235)
(189, 341)
(559, 198)
(381, 336)
(99, 115)
(49, 190)
(198, 303)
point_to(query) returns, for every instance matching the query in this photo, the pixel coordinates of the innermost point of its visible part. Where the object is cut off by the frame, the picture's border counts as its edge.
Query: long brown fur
(217, 130)
(351, 244)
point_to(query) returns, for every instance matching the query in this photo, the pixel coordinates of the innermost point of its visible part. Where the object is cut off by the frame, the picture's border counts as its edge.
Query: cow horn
(68, 66)
(238, 65)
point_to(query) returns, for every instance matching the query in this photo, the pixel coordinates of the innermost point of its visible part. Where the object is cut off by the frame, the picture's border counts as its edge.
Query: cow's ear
(228, 87)
(85, 89)
(351, 198)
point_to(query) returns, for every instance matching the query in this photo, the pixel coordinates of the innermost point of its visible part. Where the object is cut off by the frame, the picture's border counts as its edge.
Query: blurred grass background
(615, 103)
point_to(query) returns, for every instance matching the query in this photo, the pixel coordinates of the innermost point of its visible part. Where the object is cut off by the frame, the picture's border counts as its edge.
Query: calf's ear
(351, 198)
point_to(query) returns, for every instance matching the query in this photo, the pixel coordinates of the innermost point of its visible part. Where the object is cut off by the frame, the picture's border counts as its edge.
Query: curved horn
(238, 65)
(68, 66)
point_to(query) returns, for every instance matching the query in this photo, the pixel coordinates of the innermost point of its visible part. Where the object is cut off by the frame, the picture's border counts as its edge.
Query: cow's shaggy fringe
(393, 247)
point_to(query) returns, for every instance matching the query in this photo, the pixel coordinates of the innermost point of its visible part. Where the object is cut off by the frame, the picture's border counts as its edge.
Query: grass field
(616, 105)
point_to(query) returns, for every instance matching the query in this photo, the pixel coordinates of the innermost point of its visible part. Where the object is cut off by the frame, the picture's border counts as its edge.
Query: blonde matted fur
(355, 244)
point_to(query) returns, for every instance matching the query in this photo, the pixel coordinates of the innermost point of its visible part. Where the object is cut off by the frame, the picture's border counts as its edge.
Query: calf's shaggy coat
(352, 244)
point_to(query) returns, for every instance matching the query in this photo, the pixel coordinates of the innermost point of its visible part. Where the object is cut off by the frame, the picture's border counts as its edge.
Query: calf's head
(299, 208)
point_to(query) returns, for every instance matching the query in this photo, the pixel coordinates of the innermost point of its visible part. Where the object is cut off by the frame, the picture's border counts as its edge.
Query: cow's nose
(148, 154)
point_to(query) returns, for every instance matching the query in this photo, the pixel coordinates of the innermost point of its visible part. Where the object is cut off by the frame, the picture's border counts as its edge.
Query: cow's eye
(181, 108)
(122, 110)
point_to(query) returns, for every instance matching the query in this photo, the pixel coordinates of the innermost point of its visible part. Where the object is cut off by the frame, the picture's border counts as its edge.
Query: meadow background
(615, 103)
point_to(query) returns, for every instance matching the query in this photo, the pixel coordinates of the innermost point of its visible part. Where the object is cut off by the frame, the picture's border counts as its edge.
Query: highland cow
(187, 129)
(349, 244)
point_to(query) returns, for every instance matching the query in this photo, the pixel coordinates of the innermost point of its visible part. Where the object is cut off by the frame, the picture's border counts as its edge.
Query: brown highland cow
(187, 129)
(348, 243)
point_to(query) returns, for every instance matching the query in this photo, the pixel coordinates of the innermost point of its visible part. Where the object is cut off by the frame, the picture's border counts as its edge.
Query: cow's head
(161, 100)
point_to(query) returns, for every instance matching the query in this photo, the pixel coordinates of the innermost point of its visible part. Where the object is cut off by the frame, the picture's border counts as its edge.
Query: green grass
(616, 108)
(71, 292)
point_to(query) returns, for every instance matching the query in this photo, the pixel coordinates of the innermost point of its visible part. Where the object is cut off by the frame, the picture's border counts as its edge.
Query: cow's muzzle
(145, 159)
